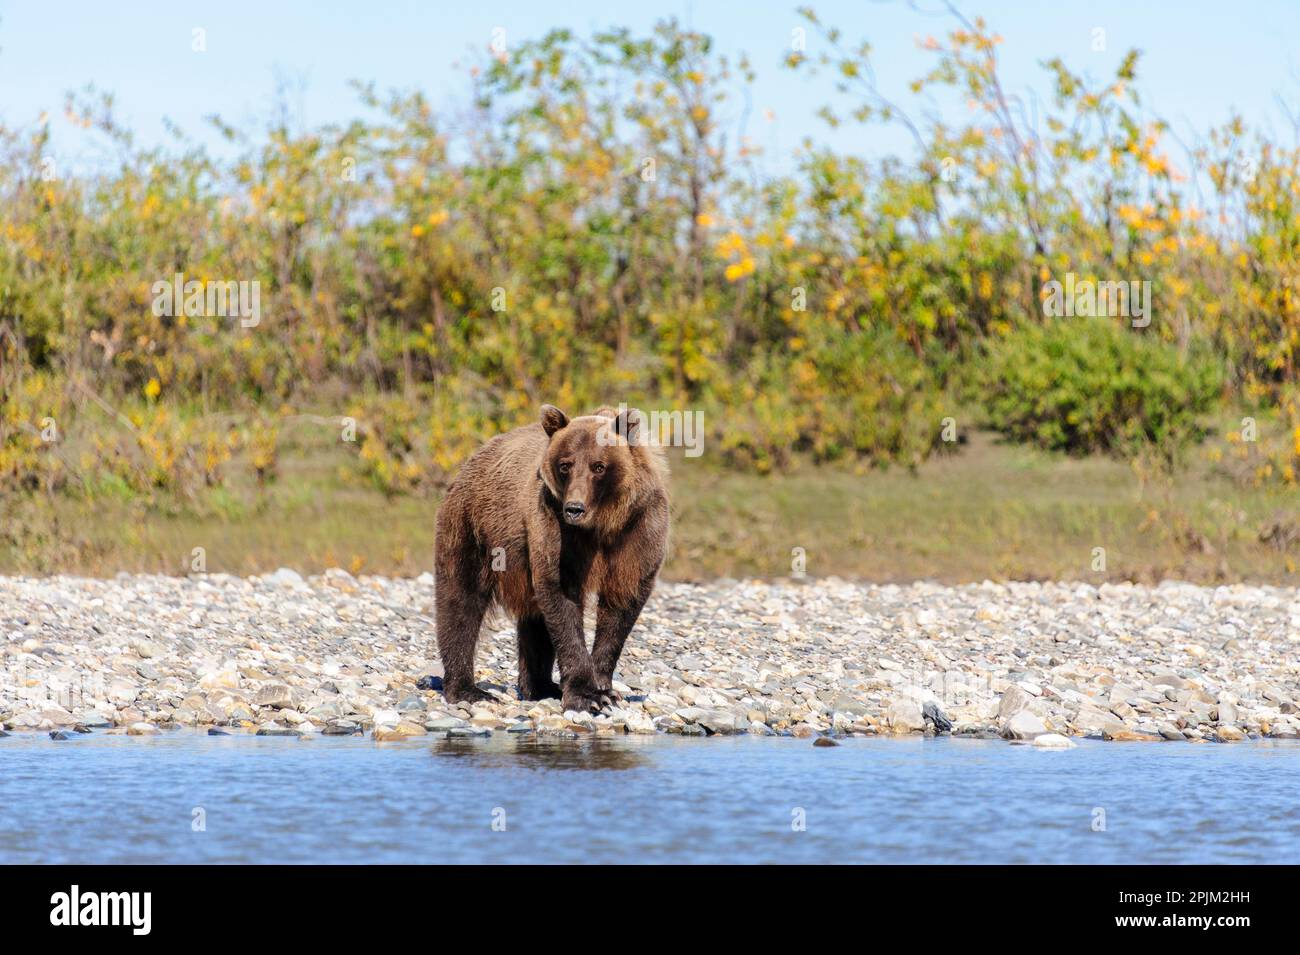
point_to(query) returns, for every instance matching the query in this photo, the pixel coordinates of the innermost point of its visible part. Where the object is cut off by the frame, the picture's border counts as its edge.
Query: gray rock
(444, 724)
(904, 715)
(1014, 699)
(468, 731)
(327, 711)
(341, 728)
(277, 696)
(935, 718)
(277, 731)
(1023, 725)
(722, 722)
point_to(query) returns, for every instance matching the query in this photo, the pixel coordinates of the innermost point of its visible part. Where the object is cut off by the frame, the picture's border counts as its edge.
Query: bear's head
(596, 466)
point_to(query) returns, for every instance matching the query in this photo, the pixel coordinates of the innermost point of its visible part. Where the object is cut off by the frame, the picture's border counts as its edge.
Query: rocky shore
(338, 655)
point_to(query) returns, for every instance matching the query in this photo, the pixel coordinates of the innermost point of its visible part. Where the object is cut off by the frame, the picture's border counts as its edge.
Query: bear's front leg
(613, 624)
(563, 617)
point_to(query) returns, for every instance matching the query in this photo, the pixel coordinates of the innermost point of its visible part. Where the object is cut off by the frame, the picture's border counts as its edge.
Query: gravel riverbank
(280, 654)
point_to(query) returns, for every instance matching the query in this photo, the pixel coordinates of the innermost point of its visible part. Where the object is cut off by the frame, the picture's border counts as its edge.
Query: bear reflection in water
(543, 753)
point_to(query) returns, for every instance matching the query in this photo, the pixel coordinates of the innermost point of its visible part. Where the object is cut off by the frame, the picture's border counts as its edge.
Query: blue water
(102, 799)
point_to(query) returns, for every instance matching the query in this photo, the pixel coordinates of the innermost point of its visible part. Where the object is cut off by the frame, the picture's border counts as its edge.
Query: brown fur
(507, 508)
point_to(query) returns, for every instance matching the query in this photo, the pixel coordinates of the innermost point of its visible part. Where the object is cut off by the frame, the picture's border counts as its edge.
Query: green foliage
(1090, 384)
(594, 232)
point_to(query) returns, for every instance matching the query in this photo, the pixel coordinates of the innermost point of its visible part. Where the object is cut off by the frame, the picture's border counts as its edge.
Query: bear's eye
(565, 466)
(598, 468)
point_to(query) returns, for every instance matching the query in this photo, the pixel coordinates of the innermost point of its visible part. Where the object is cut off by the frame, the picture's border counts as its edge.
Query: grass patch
(991, 511)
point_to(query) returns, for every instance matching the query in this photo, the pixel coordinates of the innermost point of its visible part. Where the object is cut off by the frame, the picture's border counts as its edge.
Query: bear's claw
(467, 694)
(584, 702)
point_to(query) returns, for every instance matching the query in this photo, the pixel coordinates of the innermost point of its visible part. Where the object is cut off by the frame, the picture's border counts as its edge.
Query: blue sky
(1201, 58)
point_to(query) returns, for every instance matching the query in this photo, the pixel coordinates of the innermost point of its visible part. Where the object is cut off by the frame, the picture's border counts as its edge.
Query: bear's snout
(574, 512)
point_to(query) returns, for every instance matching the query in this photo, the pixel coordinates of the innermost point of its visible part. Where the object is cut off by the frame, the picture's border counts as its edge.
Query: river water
(191, 798)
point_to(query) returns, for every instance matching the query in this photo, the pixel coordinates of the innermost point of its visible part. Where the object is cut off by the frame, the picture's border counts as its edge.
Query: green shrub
(863, 396)
(1081, 385)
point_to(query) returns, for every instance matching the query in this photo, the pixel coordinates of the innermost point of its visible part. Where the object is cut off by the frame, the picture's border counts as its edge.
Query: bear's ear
(553, 419)
(628, 425)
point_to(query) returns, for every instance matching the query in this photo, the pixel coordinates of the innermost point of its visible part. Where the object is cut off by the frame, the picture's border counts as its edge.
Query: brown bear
(537, 520)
